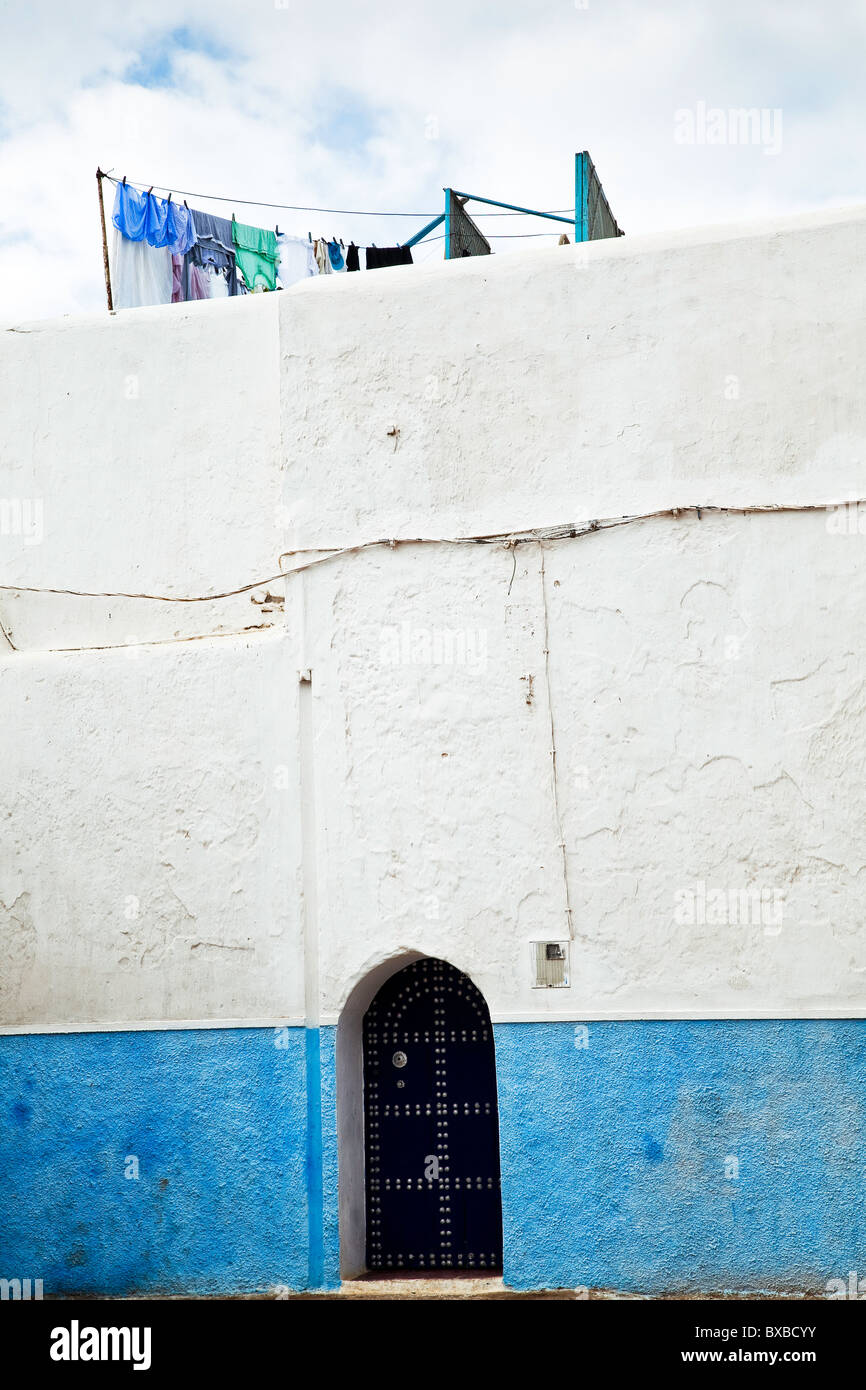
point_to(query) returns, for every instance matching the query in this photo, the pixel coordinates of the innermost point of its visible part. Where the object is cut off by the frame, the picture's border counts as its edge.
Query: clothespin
(170, 196)
(150, 190)
(277, 230)
(186, 204)
(342, 243)
(309, 236)
(124, 178)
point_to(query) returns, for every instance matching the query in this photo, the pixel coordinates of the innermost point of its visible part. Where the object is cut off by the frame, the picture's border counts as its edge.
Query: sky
(378, 107)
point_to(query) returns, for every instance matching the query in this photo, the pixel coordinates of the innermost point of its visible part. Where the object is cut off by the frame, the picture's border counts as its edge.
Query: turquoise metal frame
(419, 236)
(582, 174)
(580, 209)
(531, 212)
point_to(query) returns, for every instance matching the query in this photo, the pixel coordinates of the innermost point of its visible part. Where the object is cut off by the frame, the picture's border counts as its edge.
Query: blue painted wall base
(639, 1156)
(670, 1156)
(232, 1193)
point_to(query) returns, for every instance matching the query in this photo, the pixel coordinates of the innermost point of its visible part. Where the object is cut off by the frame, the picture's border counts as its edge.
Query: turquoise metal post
(447, 224)
(581, 187)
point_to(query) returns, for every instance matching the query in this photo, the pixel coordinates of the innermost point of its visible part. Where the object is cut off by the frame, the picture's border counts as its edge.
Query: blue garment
(130, 210)
(156, 231)
(142, 217)
(183, 227)
(336, 255)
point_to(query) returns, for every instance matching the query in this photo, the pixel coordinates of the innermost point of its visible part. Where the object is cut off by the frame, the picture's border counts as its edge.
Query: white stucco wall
(151, 848)
(704, 676)
(153, 447)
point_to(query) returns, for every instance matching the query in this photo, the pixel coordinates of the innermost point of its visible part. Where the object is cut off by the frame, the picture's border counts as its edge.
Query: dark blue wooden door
(431, 1125)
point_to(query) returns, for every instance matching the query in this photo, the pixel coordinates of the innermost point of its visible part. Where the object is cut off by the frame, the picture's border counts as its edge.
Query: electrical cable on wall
(565, 531)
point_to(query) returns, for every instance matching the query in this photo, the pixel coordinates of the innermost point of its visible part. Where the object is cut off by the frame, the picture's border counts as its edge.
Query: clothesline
(166, 252)
(296, 207)
(496, 236)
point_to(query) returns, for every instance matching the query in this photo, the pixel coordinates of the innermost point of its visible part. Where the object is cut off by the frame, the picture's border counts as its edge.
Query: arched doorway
(431, 1127)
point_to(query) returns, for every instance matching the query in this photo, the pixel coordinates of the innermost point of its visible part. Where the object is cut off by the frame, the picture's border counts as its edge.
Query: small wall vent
(550, 965)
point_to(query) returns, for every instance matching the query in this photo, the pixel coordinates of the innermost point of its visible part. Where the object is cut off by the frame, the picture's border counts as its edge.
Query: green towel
(256, 255)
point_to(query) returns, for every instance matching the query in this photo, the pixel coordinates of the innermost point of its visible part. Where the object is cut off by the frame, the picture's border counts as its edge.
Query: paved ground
(412, 1287)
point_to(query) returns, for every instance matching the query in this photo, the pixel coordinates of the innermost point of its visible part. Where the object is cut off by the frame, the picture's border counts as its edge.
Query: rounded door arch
(431, 1125)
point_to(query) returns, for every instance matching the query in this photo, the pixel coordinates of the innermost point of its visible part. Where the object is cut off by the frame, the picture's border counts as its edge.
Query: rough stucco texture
(703, 674)
(217, 1120)
(151, 849)
(614, 1154)
(710, 715)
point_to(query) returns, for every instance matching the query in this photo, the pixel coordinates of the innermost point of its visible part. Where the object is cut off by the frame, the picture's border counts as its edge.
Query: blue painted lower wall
(232, 1193)
(643, 1156)
(620, 1142)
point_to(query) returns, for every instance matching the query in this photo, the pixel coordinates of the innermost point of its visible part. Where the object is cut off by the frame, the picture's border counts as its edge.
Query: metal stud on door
(431, 1125)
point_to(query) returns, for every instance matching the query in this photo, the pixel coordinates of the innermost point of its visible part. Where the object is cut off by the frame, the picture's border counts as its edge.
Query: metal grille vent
(550, 963)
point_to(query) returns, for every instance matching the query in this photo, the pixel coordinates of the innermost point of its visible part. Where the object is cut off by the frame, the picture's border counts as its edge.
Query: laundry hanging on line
(256, 255)
(297, 258)
(159, 222)
(378, 256)
(213, 251)
(166, 252)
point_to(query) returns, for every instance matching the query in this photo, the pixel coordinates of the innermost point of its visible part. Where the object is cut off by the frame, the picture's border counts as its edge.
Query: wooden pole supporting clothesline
(99, 177)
